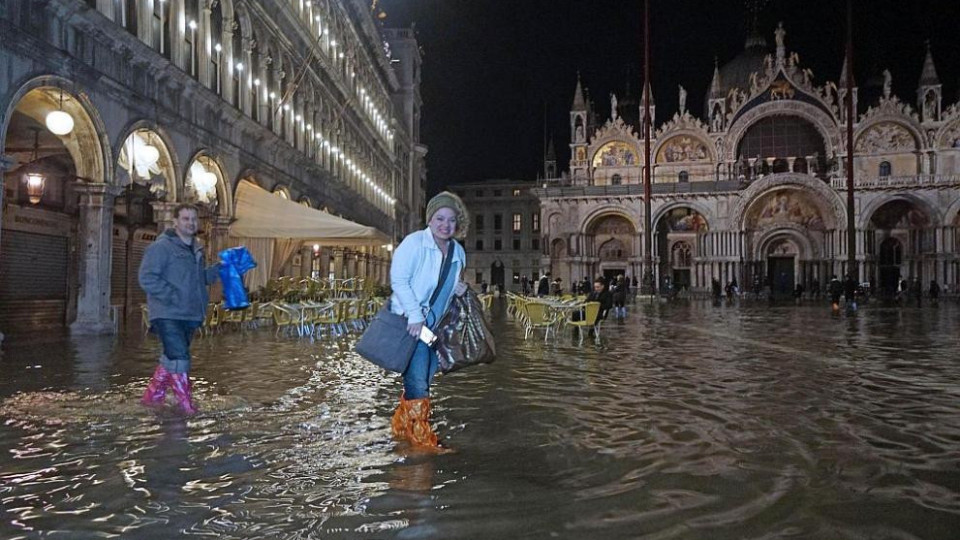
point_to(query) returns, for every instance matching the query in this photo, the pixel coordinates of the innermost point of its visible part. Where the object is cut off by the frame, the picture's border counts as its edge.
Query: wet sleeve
(401, 279)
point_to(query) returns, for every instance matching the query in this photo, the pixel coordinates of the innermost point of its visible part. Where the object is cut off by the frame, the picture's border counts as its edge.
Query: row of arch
(94, 157)
(237, 56)
(829, 205)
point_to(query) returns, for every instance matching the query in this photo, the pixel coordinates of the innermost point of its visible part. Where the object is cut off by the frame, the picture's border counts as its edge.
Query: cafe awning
(261, 214)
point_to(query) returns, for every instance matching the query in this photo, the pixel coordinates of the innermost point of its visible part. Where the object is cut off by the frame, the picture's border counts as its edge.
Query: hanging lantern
(32, 176)
(35, 185)
(58, 121)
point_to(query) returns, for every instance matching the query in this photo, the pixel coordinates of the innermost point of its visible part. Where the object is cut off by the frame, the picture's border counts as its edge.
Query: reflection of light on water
(687, 417)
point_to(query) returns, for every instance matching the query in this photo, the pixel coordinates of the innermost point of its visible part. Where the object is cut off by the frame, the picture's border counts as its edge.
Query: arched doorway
(675, 246)
(611, 240)
(782, 256)
(55, 147)
(145, 171)
(902, 235)
(888, 266)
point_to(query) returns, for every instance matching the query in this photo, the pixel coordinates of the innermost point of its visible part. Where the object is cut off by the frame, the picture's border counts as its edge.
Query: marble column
(219, 236)
(95, 239)
(338, 254)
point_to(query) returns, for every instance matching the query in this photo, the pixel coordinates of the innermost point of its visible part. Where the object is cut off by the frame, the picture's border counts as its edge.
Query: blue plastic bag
(235, 262)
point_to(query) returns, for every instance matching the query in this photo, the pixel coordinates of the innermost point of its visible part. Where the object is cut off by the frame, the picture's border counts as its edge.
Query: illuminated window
(516, 193)
(535, 221)
(517, 220)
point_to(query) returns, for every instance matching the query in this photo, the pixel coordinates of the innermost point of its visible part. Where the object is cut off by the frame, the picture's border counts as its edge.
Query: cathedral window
(683, 177)
(616, 180)
(885, 168)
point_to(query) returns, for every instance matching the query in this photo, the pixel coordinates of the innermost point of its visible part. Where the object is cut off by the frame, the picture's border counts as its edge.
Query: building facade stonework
(179, 101)
(754, 190)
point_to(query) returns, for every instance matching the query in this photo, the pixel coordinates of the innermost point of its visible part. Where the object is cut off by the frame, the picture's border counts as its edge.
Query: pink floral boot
(181, 390)
(156, 391)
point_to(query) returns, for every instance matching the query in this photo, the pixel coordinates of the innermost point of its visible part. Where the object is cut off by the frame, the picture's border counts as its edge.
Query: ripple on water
(687, 422)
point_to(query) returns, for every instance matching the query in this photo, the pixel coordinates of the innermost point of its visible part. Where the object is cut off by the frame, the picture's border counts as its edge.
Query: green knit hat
(445, 199)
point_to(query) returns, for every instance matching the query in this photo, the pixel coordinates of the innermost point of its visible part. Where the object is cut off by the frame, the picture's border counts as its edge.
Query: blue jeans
(176, 336)
(423, 366)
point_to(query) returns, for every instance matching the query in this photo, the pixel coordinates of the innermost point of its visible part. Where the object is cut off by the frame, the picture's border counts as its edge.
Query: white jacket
(415, 272)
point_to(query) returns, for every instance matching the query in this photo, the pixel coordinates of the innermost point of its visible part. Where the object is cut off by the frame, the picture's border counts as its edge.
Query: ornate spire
(929, 75)
(716, 90)
(579, 104)
(646, 87)
(843, 76)
(551, 152)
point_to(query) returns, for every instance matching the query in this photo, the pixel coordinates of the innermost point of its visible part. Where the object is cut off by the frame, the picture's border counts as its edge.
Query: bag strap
(444, 270)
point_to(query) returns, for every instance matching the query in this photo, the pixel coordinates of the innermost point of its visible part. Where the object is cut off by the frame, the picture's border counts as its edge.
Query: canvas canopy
(261, 214)
(273, 229)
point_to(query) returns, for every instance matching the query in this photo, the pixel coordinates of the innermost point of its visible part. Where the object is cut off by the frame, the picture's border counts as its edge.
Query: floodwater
(689, 421)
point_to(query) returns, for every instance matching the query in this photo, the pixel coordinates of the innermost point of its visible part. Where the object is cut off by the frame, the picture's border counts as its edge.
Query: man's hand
(460, 288)
(414, 329)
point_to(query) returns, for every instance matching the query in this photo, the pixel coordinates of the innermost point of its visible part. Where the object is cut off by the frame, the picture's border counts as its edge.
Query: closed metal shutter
(141, 239)
(118, 267)
(33, 280)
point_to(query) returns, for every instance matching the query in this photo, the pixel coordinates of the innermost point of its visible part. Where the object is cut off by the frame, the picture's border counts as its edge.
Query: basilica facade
(112, 113)
(754, 189)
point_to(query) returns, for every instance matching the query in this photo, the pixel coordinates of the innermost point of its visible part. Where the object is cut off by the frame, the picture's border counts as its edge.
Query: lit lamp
(58, 121)
(33, 177)
(35, 185)
(204, 181)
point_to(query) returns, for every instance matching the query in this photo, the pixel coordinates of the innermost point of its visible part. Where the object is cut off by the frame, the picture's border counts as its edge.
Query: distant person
(484, 286)
(835, 288)
(798, 293)
(917, 291)
(602, 295)
(175, 277)
(716, 289)
(934, 291)
(619, 294)
(543, 285)
(556, 288)
(815, 289)
(524, 285)
(850, 292)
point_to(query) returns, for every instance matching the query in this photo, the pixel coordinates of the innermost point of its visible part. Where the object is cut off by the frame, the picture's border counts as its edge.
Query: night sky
(496, 71)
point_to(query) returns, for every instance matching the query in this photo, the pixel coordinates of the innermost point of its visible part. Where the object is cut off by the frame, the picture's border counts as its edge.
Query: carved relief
(886, 136)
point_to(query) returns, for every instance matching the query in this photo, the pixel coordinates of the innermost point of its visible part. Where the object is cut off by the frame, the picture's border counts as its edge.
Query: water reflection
(689, 421)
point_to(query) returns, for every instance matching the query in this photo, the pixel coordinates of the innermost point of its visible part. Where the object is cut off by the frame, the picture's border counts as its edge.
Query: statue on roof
(613, 106)
(887, 83)
(778, 36)
(683, 99)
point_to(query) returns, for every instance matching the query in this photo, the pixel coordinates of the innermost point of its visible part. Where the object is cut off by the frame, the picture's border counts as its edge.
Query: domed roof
(736, 72)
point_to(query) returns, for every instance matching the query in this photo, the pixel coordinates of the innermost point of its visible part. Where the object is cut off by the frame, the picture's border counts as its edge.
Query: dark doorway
(891, 256)
(780, 274)
(681, 279)
(496, 275)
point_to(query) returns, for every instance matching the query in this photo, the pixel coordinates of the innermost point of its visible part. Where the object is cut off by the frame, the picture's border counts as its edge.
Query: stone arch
(90, 154)
(952, 213)
(949, 136)
(820, 120)
(606, 211)
(225, 206)
(868, 212)
(171, 169)
(673, 205)
(804, 182)
(794, 233)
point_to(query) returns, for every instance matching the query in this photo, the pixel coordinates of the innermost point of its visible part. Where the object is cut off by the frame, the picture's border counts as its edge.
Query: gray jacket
(175, 279)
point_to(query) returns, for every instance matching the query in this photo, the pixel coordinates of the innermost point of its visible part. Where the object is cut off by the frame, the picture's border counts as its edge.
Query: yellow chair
(332, 318)
(236, 316)
(211, 319)
(487, 301)
(538, 315)
(589, 313)
(285, 317)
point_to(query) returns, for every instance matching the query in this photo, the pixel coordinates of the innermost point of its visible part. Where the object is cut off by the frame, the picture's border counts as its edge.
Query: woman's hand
(460, 288)
(414, 329)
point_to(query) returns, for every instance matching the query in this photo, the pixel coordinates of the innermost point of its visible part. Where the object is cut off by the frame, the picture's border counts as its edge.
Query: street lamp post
(851, 223)
(648, 285)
